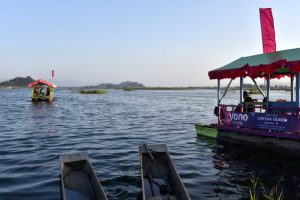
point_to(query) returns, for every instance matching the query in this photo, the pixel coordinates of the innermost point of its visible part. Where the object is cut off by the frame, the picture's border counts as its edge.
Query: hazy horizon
(157, 43)
(224, 83)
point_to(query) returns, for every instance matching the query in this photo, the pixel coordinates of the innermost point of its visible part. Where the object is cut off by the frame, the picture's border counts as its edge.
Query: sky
(154, 42)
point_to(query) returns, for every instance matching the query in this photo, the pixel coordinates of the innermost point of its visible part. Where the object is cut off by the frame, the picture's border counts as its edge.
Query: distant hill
(126, 84)
(129, 84)
(17, 82)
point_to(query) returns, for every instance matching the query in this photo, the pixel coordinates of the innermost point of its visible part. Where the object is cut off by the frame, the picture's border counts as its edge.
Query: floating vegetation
(265, 194)
(164, 88)
(129, 89)
(93, 92)
(254, 91)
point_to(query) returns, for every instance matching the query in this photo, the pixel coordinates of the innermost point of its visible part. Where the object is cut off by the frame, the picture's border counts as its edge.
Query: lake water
(110, 128)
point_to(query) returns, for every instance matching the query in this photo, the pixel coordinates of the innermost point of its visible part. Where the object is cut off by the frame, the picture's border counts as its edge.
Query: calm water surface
(110, 128)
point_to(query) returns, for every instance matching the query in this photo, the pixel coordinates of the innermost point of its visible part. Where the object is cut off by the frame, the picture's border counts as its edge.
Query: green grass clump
(93, 92)
(267, 194)
(129, 89)
(254, 91)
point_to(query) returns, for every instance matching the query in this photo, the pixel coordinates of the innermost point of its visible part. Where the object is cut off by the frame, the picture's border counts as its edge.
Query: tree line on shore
(19, 82)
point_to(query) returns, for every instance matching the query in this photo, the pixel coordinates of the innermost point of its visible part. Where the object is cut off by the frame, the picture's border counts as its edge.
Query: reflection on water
(110, 128)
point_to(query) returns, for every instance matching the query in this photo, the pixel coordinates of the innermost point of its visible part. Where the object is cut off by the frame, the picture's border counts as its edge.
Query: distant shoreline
(10, 87)
(147, 88)
(22, 82)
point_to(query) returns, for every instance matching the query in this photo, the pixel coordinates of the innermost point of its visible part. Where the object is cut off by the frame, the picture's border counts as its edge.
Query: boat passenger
(248, 100)
(36, 92)
(48, 91)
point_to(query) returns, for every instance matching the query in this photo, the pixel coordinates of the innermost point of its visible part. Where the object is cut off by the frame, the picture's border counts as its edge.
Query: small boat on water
(78, 179)
(207, 130)
(160, 179)
(42, 90)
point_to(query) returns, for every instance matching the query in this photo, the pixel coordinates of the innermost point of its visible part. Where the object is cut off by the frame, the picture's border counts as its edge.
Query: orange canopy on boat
(41, 81)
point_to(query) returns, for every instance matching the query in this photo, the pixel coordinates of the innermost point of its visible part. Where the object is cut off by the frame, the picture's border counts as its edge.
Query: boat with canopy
(42, 90)
(272, 125)
(265, 123)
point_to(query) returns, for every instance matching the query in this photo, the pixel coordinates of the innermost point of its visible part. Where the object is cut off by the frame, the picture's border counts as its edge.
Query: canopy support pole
(241, 89)
(219, 83)
(292, 87)
(254, 81)
(226, 90)
(268, 89)
(297, 88)
(265, 85)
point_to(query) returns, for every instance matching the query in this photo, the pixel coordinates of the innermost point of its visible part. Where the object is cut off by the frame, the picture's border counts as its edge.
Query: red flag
(267, 30)
(52, 73)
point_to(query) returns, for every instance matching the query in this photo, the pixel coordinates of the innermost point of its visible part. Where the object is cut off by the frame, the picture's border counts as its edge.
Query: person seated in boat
(36, 91)
(248, 102)
(48, 91)
(265, 104)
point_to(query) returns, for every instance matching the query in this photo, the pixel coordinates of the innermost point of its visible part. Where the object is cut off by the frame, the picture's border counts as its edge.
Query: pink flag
(52, 73)
(267, 30)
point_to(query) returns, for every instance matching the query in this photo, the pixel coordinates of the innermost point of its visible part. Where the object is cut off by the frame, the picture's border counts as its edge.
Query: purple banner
(279, 122)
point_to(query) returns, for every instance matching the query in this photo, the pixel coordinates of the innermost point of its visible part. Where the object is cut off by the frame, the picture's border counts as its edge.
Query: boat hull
(284, 146)
(78, 179)
(206, 130)
(160, 179)
(42, 99)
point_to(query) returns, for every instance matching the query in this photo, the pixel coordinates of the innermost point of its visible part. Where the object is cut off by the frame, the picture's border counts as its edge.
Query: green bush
(129, 89)
(93, 92)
